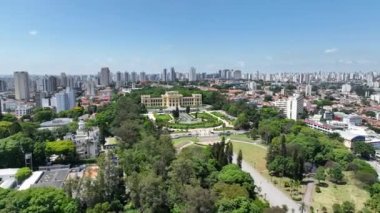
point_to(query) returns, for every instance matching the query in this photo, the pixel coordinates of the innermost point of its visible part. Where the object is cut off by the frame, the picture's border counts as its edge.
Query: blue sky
(80, 36)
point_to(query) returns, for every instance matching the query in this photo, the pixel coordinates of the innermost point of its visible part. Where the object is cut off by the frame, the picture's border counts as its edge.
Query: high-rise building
(63, 80)
(308, 89)
(3, 86)
(173, 76)
(252, 86)
(192, 74)
(118, 79)
(346, 88)
(21, 80)
(142, 76)
(105, 76)
(294, 107)
(237, 75)
(127, 78)
(64, 100)
(164, 75)
(90, 88)
(134, 77)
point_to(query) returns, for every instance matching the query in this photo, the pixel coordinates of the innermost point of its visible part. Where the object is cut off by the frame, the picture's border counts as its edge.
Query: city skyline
(148, 36)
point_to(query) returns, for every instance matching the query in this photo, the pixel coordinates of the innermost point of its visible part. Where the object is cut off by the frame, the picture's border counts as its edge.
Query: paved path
(273, 195)
(375, 165)
(308, 196)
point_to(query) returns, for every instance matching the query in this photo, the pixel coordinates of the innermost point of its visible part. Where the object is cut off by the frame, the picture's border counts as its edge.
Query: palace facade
(172, 99)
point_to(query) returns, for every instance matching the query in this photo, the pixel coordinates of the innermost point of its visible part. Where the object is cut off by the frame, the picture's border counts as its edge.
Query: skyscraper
(64, 100)
(127, 78)
(173, 76)
(237, 75)
(164, 75)
(308, 89)
(21, 80)
(294, 107)
(105, 76)
(192, 74)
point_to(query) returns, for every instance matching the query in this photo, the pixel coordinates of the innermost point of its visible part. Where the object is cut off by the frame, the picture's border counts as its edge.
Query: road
(375, 165)
(308, 196)
(273, 195)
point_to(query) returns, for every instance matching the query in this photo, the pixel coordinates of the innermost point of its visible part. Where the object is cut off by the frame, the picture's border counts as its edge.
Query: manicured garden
(207, 121)
(223, 116)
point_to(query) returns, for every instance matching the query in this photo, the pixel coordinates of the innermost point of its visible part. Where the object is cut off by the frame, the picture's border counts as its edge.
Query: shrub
(23, 173)
(317, 189)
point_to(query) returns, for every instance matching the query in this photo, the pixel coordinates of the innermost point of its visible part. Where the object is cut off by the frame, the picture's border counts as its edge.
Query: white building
(192, 74)
(252, 86)
(21, 80)
(346, 88)
(64, 100)
(294, 107)
(86, 141)
(308, 89)
(281, 104)
(90, 88)
(237, 75)
(24, 109)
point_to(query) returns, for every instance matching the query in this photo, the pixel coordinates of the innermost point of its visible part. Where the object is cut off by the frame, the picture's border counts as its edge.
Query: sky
(81, 36)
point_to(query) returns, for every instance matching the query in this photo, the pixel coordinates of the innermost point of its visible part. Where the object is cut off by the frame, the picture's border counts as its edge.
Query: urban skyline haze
(271, 36)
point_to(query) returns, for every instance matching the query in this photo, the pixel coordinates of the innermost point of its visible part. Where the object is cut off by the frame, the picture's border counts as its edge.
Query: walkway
(268, 191)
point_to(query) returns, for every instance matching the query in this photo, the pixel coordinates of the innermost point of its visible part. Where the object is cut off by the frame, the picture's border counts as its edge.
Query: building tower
(294, 107)
(105, 76)
(21, 80)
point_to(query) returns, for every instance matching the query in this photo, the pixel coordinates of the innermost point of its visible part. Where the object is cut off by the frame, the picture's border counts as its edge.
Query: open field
(340, 193)
(253, 154)
(179, 142)
(241, 137)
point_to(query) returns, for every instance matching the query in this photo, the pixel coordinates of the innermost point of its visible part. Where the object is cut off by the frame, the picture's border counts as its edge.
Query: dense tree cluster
(295, 150)
(152, 178)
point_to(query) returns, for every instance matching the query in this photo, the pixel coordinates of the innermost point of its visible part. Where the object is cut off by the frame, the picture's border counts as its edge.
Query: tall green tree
(239, 158)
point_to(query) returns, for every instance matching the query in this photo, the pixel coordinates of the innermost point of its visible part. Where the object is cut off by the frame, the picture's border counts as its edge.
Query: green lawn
(223, 116)
(253, 154)
(179, 142)
(163, 117)
(241, 137)
(340, 193)
(207, 121)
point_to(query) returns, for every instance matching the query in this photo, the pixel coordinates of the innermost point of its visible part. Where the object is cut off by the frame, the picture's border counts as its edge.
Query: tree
(239, 158)
(22, 174)
(337, 208)
(187, 109)
(268, 98)
(370, 114)
(348, 207)
(65, 149)
(364, 150)
(320, 174)
(39, 199)
(175, 113)
(232, 174)
(336, 174)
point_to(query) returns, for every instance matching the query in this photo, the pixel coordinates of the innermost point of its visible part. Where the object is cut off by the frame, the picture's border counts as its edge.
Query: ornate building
(172, 99)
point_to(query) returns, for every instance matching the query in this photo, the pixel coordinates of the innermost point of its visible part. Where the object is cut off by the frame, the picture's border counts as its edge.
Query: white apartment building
(22, 110)
(281, 104)
(21, 80)
(294, 107)
(346, 88)
(308, 89)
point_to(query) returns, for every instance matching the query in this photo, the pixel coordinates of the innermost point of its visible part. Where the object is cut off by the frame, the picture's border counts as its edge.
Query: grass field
(241, 137)
(223, 116)
(163, 117)
(340, 193)
(179, 142)
(253, 154)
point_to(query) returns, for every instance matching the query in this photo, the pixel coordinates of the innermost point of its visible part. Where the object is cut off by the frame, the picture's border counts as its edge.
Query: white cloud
(33, 32)
(331, 50)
